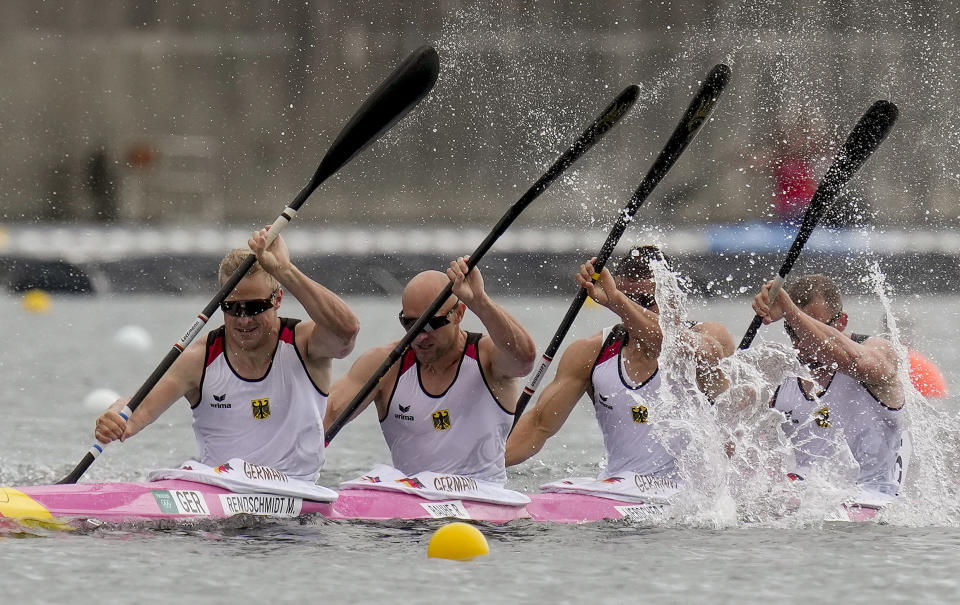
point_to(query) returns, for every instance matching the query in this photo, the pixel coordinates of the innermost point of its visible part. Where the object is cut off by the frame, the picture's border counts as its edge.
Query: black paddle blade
(693, 119)
(699, 111)
(392, 100)
(872, 128)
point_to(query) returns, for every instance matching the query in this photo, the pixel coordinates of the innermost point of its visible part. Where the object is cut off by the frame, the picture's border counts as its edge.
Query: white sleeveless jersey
(276, 421)
(846, 412)
(627, 414)
(462, 431)
(810, 424)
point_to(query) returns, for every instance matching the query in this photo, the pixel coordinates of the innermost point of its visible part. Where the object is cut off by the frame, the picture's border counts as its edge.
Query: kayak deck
(176, 499)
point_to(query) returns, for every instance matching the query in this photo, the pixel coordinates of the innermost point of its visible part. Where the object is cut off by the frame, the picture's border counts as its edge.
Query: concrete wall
(220, 112)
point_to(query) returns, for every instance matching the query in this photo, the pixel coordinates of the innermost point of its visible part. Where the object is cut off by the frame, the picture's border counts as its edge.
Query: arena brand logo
(822, 417)
(639, 413)
(602, 400)
(441, 420)
(260, 408)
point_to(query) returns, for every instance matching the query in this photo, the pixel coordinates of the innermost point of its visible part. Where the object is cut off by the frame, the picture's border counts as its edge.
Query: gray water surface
(53, 360)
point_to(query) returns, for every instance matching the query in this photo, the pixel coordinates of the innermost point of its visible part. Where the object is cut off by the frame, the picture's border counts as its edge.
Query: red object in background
(140, 155)
(794, 183)
(926, 376)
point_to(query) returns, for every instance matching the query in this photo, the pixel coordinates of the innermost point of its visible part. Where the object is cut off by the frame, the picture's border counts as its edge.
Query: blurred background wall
(219, 112)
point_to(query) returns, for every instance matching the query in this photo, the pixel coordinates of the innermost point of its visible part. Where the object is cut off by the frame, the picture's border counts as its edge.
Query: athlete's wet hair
(808, 288)
(635, 264)
(234, 259)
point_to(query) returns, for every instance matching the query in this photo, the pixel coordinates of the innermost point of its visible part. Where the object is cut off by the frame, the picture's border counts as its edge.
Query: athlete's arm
(874, 362)
(556, 402)
(642, 325)
(332, 329)
(344, 390)
(514, 350)
(712, 342)
(181, 380)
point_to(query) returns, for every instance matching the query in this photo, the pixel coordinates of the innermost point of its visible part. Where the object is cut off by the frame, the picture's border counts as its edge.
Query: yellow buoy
(458, 541)
(36, 301)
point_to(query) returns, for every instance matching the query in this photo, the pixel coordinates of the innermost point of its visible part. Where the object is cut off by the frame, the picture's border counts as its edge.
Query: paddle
(604, 122)
(862, 141)
(693, 119)
(393, 99)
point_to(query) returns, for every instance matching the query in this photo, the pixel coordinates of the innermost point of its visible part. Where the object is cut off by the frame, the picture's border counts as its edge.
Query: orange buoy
(926, 376)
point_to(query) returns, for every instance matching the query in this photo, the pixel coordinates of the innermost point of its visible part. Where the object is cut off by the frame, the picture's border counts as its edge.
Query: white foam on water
(931, 495)
(736, 460)
(703, 463)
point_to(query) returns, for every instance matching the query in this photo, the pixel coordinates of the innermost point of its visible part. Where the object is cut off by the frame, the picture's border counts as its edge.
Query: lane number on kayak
(447, 509)
(181, 502)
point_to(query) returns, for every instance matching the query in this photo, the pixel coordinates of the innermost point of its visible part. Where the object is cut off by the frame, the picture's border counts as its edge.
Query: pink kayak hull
(176, 499)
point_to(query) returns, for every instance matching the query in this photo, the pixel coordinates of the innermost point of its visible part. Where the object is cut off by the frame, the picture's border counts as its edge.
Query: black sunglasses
(247, 308)
(434, 323)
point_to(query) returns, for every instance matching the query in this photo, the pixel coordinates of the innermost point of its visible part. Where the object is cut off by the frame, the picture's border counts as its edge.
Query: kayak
(80, 505)
(179, 500)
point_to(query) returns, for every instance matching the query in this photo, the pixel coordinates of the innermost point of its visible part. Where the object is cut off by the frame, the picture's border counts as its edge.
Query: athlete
(855, 398)
(619, 369)
(257, 385)
(447, 405)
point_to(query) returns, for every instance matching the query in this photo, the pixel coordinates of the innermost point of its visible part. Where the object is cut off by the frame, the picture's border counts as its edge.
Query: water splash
(737, 458)
(688, 414)
(930, 495)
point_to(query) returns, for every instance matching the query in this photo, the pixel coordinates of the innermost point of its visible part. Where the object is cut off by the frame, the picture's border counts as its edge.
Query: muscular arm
(712, 342)
(556, 402)
(181, 380)
(642, 325)
(874, 363)
(345, 389)
(332, 329)
(515, 352)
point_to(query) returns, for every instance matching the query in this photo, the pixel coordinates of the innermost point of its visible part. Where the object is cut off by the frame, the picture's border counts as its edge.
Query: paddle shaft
(872, 128)
(392, 100)
(611, 115)
(693, 119)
